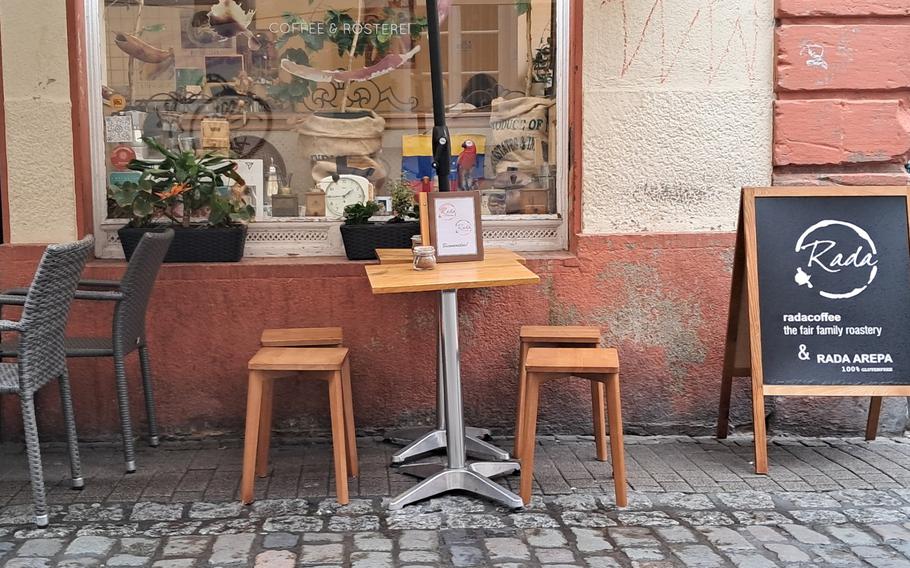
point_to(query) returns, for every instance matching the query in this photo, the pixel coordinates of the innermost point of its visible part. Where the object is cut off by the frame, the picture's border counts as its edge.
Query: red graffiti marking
(633, 42)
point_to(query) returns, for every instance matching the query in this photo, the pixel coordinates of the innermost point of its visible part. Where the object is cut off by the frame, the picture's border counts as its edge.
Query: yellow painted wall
(39, 134)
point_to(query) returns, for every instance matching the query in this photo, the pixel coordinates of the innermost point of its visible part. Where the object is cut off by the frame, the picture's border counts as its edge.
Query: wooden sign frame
(743, 350)
(476, 231)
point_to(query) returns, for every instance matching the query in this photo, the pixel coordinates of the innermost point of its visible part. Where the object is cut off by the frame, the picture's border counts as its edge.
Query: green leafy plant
(298, 89)
(360, 213)
(402, 201)
(180, 187)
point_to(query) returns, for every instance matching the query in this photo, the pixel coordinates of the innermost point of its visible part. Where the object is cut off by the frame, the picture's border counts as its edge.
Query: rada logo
(839, 260)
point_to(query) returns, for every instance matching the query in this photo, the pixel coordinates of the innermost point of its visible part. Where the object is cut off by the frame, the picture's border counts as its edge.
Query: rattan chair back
(42, 357)
(136, 286)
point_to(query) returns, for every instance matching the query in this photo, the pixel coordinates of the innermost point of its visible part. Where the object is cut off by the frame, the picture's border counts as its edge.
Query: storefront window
(300, 90)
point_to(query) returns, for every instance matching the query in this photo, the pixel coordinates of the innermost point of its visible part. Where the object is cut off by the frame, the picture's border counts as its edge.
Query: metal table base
(421, 442)
(457, 475)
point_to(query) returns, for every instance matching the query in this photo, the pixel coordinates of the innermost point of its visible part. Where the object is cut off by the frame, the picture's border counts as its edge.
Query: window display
(319, 96)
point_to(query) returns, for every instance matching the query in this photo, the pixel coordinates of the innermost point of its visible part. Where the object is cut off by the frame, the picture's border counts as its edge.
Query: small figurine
(465, 166)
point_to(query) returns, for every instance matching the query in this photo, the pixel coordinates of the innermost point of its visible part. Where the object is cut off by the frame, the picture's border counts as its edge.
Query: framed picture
(455, 228)
(385, 205)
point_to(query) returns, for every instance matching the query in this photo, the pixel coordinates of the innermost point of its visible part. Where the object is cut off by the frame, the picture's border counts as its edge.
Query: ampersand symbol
(803, 354)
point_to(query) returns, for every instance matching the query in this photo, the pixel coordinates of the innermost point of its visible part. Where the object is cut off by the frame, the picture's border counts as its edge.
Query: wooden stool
(554, 336)
(601, 366)
(329, 364)
(302, 337)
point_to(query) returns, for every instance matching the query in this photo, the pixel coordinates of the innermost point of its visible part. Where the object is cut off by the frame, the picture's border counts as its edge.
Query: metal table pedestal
(456, 475)
(426, 442)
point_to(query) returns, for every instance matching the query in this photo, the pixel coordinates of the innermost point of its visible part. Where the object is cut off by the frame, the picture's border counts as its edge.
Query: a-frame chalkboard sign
(820, 299)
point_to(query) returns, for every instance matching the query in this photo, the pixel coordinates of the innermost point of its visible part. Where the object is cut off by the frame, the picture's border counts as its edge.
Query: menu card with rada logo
(834, 290)
(455, 225)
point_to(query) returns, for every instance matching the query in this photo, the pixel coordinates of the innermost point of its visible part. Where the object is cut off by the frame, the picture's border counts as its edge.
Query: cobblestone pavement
(694, 503)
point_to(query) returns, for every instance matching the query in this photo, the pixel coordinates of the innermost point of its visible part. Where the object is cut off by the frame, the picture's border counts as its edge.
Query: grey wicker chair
(42, 359)
(131, 296)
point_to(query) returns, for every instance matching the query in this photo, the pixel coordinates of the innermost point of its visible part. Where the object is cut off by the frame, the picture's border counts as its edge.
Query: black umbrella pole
(442, 149)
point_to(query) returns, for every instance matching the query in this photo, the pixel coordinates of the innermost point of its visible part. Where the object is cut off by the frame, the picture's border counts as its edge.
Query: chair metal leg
(123, 401)
(150, 414)
(72, 440)
(33, 450)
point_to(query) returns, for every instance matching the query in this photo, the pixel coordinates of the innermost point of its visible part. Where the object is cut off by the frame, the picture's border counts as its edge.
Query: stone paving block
(698, 556)
(500, 549)
(90, 546)
(427, 557)
(852, 535)
(126, 560)
(148, 511)
(726, 539)
(312, 554)
(464, 556)
(231, 549)
(28, 563)
(787, 553)
(819, 517)
(806, 535)
(186, 546)
(45, 547)
(280, 540)
(741, 560)
(276, 559)
(139, 546)
(214, 510)
(78, 562)
(602, 562)
(175, 563)
(372, 541)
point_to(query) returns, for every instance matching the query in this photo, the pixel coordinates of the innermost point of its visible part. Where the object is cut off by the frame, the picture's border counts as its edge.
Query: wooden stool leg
(614, 405)
(350, 433)
(875, 411)
(600, 426)
(529, 435)
(519, 418)
(336, 405)
(265, 428)
(251, 436)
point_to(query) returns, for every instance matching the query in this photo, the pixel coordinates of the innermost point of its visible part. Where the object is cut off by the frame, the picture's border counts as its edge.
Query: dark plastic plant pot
(193, 244)
(361, 241)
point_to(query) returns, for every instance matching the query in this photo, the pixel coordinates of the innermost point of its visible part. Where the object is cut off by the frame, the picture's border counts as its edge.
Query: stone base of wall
(660, 299)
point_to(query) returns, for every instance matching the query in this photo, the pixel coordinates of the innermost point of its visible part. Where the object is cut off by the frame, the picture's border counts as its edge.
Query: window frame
(319, 236)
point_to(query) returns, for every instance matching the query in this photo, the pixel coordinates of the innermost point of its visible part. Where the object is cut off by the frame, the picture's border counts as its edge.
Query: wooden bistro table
(447, 279)
(417, 441)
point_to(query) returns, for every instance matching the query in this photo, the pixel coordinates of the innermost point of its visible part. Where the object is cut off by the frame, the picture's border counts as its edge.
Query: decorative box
(285, 206)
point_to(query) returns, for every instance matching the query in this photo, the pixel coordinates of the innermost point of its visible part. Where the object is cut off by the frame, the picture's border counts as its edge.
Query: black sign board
(820, 303)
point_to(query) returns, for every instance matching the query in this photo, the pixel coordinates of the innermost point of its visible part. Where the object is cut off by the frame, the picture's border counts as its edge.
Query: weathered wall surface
(843, 83)
(39, 134)
(677, 101)
(660, 299)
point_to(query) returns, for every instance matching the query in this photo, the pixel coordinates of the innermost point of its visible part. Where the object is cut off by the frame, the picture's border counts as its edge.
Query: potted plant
(187, 193)
(361, 237)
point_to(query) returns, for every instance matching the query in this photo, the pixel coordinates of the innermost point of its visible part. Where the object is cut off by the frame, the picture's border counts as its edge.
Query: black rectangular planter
(361, 241)
(193, 244)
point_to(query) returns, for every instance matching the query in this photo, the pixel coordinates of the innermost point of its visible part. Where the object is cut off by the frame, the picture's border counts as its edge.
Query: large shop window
(317, 87)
